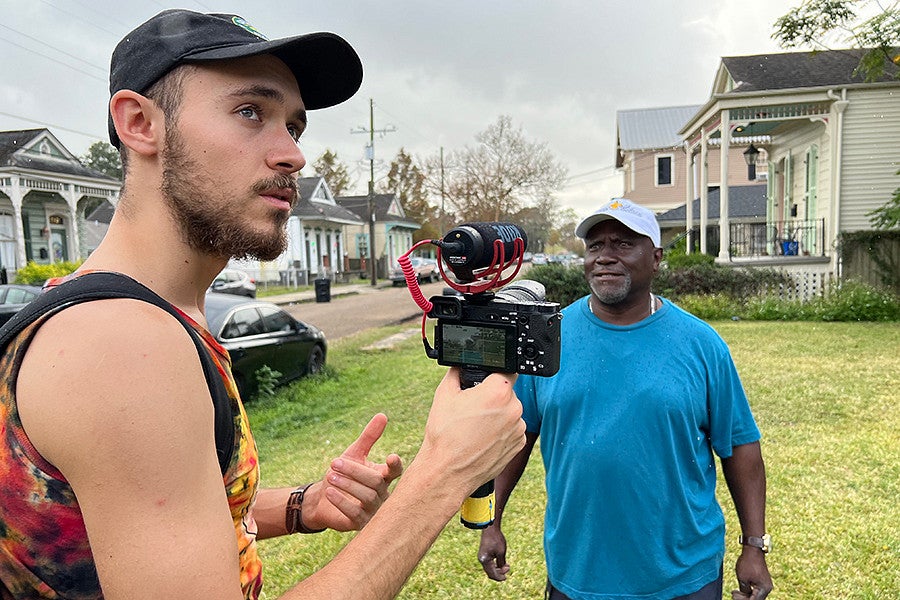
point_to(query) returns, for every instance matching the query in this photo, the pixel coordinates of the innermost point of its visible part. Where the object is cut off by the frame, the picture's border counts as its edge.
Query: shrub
(707, 278)
(35, 274)
(712, 292)
(562, 284)
(853, 301)
(710, 307)
(678, 260)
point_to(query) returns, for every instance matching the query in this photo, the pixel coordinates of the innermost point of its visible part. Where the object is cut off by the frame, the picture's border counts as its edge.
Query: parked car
(258, 334)
(233, 281)
(539, 259)
(13, 297)
(426, 270)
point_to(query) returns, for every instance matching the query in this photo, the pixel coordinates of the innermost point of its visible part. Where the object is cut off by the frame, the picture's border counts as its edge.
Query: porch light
(750, 155)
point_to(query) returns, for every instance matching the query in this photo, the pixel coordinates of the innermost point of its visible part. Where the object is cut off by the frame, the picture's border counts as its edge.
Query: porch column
(837, 152)
(704, 188)
(75, 245)
(16, 199)
(303, 246)
(724, 229)
(689, 196)
(340, 247)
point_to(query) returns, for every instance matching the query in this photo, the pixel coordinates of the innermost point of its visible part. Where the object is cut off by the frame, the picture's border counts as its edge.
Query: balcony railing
(778, 238)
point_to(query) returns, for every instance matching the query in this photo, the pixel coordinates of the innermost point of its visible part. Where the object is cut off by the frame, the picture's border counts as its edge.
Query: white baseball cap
(634, 217)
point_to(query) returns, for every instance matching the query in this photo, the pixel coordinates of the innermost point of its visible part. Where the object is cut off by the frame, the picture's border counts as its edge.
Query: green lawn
(826, 399)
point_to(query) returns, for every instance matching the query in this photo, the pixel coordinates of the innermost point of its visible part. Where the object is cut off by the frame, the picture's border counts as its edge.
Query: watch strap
(764, 543)
(293, 512)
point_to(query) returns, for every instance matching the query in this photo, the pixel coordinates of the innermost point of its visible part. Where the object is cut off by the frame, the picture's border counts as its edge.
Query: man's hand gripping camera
(511, 330)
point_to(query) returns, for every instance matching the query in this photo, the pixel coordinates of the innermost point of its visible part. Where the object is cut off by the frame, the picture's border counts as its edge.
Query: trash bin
(323, 290)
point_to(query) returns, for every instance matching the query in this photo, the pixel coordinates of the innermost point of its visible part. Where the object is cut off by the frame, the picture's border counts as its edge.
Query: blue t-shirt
(627, 429)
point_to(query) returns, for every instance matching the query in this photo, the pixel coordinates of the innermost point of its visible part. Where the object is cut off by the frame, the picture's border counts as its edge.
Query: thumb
(359, 449)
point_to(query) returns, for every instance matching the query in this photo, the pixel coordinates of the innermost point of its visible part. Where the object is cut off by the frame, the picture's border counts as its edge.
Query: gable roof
(384, 205)
(16, 150)
(652, 128)
(316, 202)
(744, 202)
(798, 70)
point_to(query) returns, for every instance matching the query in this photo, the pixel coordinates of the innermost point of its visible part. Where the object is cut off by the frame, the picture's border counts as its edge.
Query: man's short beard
(217, 227)
(609, 295)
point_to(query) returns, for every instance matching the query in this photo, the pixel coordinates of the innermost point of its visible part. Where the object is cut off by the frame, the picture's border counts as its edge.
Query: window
(664, 170)
(276, 319)
(17, 296)
(242, 323)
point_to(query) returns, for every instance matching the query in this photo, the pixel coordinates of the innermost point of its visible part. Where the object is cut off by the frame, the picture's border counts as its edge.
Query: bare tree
(498, 177)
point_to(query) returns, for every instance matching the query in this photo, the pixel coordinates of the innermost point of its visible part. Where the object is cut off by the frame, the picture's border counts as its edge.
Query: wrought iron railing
(778, 238)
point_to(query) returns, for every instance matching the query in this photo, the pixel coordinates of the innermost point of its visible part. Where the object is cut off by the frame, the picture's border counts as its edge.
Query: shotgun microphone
(471, 246)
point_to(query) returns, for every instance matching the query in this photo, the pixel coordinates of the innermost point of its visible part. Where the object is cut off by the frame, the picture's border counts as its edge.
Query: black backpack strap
(106, 285)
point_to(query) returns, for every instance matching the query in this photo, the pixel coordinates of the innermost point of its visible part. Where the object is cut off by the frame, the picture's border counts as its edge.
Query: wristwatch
(764, 543)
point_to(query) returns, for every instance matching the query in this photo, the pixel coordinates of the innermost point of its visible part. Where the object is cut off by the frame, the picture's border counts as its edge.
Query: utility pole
(442, 191)
(370, 152)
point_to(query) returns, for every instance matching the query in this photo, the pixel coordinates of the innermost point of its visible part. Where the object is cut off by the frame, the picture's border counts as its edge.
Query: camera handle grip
(477, 511)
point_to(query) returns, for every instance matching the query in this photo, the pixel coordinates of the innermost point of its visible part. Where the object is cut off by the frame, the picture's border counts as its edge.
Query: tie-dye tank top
(44, 550)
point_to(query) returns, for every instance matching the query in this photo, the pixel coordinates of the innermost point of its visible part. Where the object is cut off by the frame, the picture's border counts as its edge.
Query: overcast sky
(439, 72)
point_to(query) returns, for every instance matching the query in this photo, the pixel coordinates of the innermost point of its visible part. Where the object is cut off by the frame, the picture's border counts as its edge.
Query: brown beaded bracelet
(293, 512)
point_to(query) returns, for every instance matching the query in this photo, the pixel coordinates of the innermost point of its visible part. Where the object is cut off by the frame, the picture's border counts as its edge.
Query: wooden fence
(876, 262)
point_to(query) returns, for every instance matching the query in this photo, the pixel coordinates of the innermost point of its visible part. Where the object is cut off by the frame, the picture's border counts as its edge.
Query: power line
(77, 17)
(44, 43)
(91, 75)
(53, 125)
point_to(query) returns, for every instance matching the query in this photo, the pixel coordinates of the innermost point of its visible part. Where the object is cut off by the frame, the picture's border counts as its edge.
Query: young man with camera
(645, 396)
(111, 482)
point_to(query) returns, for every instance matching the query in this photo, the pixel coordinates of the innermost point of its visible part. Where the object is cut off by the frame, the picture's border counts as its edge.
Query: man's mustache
(285, 182)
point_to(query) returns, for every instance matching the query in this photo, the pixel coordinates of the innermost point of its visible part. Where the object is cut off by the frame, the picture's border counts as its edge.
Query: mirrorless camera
(509, 331)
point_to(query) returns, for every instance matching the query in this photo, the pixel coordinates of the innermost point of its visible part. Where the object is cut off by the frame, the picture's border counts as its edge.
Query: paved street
(354, 308)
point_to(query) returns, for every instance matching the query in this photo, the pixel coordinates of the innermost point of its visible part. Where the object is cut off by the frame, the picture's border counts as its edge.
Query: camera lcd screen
(475, 345)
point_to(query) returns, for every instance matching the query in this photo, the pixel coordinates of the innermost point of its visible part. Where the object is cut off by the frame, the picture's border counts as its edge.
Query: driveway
(357, 307)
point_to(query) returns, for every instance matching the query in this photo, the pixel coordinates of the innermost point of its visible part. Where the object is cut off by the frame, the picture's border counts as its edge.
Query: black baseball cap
(327, 68)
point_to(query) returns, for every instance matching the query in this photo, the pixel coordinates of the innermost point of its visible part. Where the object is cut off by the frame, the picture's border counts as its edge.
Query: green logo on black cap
(243, 24)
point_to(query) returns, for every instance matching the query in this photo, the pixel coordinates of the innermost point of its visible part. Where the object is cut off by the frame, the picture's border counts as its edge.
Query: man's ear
(657, 258)
(139, 123)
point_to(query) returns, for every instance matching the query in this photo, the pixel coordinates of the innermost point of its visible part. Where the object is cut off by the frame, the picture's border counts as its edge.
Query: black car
(258, 334)
(13, 297)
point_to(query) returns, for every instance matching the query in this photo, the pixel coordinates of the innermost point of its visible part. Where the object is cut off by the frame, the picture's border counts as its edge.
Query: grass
(825, 396)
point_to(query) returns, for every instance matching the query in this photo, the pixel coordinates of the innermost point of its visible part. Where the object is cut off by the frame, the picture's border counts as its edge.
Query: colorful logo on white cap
(243, 24)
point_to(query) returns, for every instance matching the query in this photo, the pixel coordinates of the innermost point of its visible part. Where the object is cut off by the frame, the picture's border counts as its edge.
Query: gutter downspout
(839, 106)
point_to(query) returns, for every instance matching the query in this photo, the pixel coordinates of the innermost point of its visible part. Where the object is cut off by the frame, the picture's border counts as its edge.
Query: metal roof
(652, 128)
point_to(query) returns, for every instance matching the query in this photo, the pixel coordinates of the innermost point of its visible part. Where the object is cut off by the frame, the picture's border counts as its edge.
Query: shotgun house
(829, 141)
(45, 197)
(393, 231)
(316, 245)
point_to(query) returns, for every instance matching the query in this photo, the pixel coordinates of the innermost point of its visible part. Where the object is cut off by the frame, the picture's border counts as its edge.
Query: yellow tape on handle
(477, 511)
